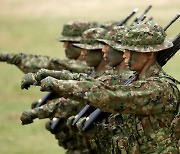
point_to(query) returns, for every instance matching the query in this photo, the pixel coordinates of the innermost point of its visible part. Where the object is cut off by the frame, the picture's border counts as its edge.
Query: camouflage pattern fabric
(113, 37)
(52, 109)
(97, 142)
(89, 39)
(60, 108)
(153, 99)
(145, 37)
(175, 126)
(73, 30)
(32, 63)
(31, 78)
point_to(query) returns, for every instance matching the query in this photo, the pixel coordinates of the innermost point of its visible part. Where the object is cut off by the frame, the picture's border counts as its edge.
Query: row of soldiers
(111, 95)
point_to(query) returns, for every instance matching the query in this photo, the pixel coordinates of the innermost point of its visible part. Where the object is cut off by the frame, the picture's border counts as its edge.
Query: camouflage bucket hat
(73, 30)
(113, 37)
(145, 37)
(89, 39)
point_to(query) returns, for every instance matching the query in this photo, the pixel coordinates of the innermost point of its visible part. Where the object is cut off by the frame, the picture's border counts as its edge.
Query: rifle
(172, 21)
(54, 123)
(122, 22)
(165, 55)
(44, 99)
(142, 17)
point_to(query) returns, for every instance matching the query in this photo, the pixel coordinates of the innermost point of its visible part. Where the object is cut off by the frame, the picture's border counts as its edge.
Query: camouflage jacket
(32, 63)
(152, 100)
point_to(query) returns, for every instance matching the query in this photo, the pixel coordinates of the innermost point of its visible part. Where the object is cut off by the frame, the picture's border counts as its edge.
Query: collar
(154, 69)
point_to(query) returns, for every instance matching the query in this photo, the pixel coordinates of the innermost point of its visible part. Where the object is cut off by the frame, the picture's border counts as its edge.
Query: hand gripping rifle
(162, 58)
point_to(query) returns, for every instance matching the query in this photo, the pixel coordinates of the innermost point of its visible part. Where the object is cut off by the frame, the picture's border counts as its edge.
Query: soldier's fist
(28, 80)
(47, 83)
(26, 118)
(41, 74)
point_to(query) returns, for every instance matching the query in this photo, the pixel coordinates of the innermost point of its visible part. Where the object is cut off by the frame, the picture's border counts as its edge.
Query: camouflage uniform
(151, 100)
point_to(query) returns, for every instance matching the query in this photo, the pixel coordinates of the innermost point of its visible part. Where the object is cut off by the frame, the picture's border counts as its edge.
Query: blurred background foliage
(31, 26)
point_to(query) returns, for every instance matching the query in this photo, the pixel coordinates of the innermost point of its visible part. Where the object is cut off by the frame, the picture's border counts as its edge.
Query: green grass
(32, 27)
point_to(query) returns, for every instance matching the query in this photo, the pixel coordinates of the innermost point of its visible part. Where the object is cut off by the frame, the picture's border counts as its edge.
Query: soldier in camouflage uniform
(152, 99)
(115, 59)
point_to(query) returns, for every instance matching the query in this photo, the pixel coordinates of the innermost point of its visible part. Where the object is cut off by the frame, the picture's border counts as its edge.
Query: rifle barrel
(172, 21)
(128, 17)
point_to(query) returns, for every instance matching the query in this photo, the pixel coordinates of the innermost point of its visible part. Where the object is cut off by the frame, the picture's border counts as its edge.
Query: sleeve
(67, 75)
(73, 65)
(28, 62)
(152, 96)
(62, 75)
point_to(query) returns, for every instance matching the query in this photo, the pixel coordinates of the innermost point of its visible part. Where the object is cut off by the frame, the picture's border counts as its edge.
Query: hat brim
(113, 44)
(89, 47)
(148, 48)
(69, 38)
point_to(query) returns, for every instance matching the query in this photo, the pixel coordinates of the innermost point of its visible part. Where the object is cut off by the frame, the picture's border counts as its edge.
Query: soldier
(153, 98)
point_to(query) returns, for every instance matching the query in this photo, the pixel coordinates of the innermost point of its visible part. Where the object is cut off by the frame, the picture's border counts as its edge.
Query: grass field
(32, 26)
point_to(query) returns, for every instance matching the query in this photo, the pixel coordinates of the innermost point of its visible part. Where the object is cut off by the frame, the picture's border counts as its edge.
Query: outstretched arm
(26, 62)
(31, 78)
(142, 97)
